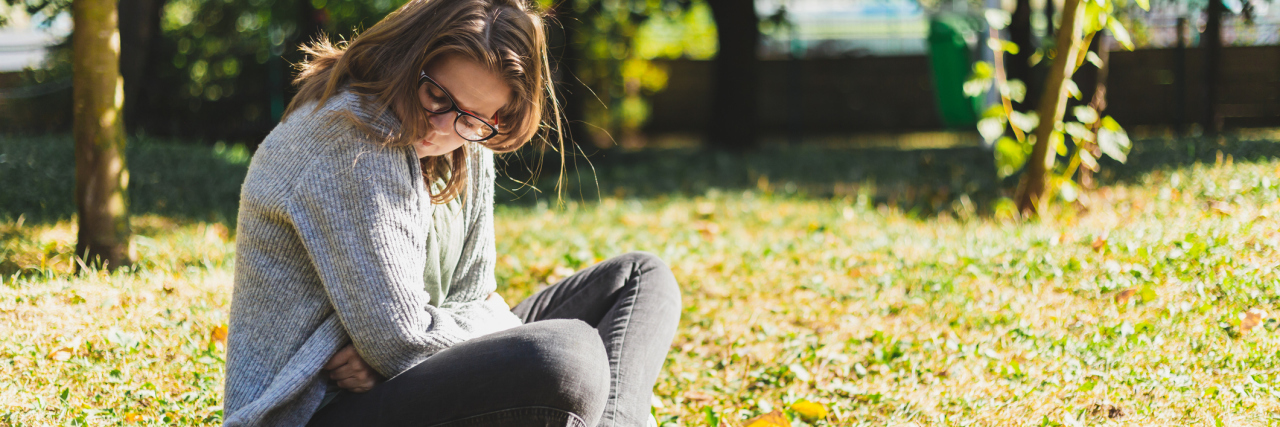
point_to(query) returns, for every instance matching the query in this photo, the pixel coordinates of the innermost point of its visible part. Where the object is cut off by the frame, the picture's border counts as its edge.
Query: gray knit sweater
(331, 248)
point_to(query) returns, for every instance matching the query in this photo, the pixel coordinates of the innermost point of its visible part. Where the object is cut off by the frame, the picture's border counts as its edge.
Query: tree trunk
(733, 124)
(1017, 66)
(1212, 45)
(101, 174)
(1031, 196)
(139, 28)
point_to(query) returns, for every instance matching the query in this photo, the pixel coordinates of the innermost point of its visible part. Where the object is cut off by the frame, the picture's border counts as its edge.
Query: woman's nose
(441, 124)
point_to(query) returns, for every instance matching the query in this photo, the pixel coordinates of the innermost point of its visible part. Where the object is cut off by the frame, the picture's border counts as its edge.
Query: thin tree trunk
(1211, 42)
(1031, 196)
(733, 123)
(101, 174)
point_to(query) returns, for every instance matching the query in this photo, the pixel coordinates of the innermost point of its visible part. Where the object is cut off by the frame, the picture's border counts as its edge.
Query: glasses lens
(434, 98)
(472, 128)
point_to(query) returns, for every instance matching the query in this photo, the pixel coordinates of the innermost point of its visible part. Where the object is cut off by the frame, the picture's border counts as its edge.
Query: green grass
(1124, 311)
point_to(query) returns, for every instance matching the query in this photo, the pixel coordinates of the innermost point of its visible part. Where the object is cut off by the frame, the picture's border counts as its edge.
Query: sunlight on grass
(1131, 311)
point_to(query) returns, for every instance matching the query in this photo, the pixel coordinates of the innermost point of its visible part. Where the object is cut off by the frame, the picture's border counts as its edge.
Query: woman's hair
(505, 36)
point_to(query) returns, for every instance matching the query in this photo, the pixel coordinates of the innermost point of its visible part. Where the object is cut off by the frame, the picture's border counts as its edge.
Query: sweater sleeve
(356, 210)
(474, 276)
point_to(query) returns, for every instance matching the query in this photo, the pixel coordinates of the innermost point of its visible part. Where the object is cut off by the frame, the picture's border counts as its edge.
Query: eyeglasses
(467, 124)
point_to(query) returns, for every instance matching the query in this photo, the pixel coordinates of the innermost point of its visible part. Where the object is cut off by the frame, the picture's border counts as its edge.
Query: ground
(1147, 304)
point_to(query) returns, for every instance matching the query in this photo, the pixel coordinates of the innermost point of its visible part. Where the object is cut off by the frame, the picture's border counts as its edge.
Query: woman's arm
(356, 210)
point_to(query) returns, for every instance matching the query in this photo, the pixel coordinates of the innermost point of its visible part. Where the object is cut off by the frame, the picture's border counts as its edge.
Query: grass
(1132, 310)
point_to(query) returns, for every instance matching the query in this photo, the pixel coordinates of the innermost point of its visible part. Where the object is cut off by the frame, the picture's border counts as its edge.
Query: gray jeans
(589, 354)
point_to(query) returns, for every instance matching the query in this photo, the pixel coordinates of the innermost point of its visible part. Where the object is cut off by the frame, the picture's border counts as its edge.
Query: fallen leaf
(697, 396)
(1124, 296)
(219, 334)
(61, 355)
(1252, 319)
(772, 419)
(810, 411)
(1220, 207)
(707, 229)
(1099, 243)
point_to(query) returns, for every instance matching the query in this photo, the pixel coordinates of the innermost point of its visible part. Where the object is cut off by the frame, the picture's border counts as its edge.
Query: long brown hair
(505, 36)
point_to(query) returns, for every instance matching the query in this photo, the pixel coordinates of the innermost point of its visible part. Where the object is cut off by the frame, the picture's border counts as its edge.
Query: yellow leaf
(219, 333)
(810, 411)
(697, 396)
(132, 417)
(1252, 319)
(1099, 243)
(61, 355)
(772, 419)
(1125, 295)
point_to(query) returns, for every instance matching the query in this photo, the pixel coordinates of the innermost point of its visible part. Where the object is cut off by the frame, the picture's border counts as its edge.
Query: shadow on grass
(1152, 154)
(200, 182)
(924, 182)
(174, 179)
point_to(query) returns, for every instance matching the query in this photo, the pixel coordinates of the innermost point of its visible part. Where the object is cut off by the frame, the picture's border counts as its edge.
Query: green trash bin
(951, 61)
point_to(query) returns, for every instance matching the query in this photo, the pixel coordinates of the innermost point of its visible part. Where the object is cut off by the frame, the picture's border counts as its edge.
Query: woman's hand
(349, 370)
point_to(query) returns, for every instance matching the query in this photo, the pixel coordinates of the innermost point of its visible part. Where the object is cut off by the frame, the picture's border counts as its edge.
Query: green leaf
(1121, 34)
(998, 18)
(982, 70)
(1114, 144)
(1087, 160)
(1078, 131)
(994, 111)
(1010, 47)
(1085, 114)
(1072, 89)
(1093, 58)
(979, 79)
(1025, 121)
(975, 88)
(1017, 90)
(1067, 190)
(1010, 157)
(991, 128)
(1111, 124)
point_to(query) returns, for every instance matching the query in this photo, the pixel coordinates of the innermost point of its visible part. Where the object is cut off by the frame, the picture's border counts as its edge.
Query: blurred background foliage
(221, 69)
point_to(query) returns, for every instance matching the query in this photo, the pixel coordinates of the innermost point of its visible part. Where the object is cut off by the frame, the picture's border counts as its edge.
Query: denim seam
(617, 376)
(572, 419)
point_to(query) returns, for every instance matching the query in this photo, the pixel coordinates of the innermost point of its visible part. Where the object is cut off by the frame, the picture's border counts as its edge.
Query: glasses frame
(453, 107)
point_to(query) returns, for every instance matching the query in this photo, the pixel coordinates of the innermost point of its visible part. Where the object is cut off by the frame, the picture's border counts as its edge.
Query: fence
(894, 93)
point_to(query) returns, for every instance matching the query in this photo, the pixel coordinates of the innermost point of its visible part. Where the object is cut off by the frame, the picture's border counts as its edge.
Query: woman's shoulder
(326, 142)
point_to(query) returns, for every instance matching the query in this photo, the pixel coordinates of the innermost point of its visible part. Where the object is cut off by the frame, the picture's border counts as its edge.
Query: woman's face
(474, 88)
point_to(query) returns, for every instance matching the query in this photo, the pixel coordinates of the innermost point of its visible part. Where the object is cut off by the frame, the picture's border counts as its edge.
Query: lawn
(1150, 305)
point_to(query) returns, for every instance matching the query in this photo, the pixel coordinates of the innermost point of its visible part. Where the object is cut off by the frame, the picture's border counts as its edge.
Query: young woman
(365, 247)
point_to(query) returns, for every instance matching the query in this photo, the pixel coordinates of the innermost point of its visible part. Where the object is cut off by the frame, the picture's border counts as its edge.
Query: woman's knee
(653, 274)
(567, 365)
